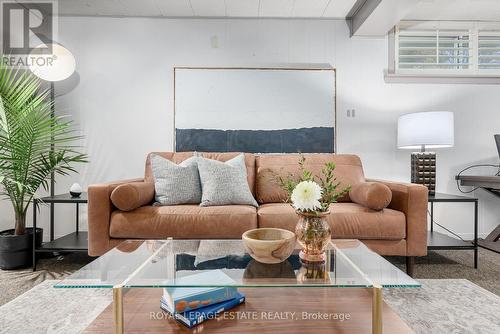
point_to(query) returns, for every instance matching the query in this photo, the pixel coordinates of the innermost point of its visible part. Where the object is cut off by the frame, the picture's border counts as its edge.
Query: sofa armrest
(99, 214)
(411, 199)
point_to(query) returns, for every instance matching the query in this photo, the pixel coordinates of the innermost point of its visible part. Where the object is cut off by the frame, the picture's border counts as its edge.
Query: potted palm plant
(33, 144)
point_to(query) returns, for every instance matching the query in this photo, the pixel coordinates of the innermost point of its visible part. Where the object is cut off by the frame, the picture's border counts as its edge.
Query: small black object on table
(73, 242)
(440, 241)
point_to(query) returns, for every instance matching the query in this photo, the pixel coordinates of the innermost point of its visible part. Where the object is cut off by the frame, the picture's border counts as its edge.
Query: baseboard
(46, 236)
(465, 236)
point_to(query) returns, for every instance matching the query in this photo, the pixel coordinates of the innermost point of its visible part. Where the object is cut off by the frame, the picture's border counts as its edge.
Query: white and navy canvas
(256, 111)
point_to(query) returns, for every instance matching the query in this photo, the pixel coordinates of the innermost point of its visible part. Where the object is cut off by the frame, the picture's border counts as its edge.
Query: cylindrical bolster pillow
(130, 196)
(373, 195)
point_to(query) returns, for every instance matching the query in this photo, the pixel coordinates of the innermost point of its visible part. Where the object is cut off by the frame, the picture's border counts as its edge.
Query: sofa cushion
(129, 196)
(348, 170)
(176, 183)
(178, 157)
(224, 183)
(184, 222)
(373, 195)
(347, 221)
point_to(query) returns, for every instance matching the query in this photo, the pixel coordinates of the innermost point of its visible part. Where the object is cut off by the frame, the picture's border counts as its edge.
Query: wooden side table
(73, 242)
(436, 240)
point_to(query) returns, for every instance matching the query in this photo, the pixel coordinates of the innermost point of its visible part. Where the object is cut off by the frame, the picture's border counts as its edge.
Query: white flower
(306, 196)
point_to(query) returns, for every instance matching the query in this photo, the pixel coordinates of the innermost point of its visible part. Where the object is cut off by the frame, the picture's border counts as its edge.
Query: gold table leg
(377, 310)
(118, 309)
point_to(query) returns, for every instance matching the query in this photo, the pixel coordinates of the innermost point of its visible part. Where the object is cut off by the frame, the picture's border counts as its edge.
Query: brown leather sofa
(399, 229)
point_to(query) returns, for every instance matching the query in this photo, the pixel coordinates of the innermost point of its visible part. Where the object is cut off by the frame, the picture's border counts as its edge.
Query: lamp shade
(60, 66)
(433, 129)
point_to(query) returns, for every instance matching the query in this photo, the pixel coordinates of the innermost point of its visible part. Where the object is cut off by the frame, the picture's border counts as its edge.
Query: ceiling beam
(377, 17)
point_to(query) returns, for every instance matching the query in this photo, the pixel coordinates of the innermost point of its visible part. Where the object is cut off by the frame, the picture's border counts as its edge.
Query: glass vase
(310, 272)
(313, 234)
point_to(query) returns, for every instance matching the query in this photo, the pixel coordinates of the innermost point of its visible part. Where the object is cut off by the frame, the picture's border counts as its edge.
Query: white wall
(124, 101)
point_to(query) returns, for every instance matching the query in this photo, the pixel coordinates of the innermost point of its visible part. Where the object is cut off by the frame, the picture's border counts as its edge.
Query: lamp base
(423, 170)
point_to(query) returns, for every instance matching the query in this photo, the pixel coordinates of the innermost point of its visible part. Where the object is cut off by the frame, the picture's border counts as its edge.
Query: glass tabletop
(225, 263)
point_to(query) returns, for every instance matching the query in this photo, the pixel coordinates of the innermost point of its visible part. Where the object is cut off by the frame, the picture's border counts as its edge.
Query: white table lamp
(425, 130)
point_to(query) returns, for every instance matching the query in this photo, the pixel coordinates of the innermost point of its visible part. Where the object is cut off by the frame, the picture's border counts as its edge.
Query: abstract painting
(255, 110)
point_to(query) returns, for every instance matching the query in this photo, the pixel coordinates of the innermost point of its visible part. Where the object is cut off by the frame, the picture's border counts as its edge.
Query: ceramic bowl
(269, 245)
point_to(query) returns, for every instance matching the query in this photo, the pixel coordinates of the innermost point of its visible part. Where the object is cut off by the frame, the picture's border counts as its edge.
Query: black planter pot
(16, 251)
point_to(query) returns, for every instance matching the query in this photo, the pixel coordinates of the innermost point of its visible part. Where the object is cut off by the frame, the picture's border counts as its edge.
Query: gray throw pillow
(176, 184)
(224, 183)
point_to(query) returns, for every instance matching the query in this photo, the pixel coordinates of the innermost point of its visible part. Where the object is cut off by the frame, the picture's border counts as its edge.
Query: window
(468, 48)
(489, 50)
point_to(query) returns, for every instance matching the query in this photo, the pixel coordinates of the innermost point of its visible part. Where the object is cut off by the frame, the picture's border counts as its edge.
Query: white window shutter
(489, 50)
(460, 48)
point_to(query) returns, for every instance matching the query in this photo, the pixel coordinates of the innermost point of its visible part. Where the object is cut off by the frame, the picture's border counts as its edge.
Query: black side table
(436, 240)
(73, 242)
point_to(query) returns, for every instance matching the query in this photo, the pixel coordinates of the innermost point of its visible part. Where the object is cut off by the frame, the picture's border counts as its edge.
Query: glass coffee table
(160, 264)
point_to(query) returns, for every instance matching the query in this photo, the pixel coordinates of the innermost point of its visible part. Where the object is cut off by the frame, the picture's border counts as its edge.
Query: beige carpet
(45, 309)
(15, 282)
(459, 265)
(444, 306)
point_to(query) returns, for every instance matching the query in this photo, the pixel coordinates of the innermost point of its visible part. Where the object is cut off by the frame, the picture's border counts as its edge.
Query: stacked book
(191, 306)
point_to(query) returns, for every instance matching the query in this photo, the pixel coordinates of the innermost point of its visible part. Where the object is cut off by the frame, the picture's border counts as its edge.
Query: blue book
(195, 317)
(186, 299)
